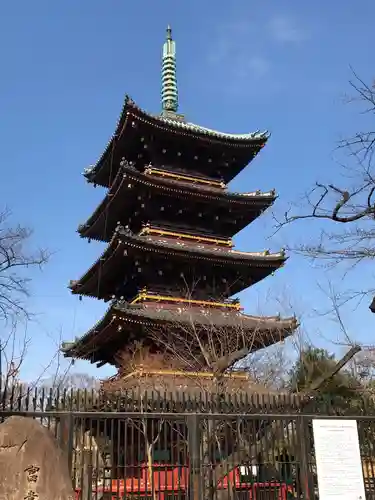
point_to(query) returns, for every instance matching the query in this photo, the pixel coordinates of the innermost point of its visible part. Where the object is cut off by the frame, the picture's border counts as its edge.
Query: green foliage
(342, 390)
(342, 394)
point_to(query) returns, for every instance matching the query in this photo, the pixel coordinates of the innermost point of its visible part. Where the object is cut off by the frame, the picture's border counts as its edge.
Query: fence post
(194, 448)
(70, 441)
(305, 449)
(66, 436)
(1, 371)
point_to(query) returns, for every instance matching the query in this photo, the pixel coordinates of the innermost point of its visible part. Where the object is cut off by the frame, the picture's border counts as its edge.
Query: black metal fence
(152, 446)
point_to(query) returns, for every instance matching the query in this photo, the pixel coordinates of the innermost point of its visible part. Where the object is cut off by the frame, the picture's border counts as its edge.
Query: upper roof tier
(124, 323)
(169, 139)
(131, 262)
(136, 198)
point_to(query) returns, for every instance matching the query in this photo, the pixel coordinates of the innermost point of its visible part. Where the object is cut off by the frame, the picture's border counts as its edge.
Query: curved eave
(90, 172)
(113, 248)
(88, 342)
(104, 206)
(249, 201)
(202, 133)
(204, 252)
(268, 330)
(175, 126)
(85, 346)
(123, 239)
(207, 317)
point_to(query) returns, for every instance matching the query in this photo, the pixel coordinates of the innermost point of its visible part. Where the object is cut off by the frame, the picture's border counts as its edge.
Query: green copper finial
(169, 33)
(169, 93)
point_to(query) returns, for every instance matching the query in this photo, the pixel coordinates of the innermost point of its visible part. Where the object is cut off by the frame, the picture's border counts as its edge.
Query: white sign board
(338, 460)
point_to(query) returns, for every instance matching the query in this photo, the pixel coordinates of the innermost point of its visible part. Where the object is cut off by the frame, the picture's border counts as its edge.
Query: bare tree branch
(317, 384)
(14, 261)
(350, 208)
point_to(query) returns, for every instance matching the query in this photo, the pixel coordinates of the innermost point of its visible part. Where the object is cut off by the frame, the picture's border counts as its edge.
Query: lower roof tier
(194, 390)
(132, 262)
(141, 135)
(124, 324)
(140, 197)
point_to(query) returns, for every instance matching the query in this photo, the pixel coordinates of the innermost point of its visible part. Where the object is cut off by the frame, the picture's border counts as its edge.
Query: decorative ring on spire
(169, 92)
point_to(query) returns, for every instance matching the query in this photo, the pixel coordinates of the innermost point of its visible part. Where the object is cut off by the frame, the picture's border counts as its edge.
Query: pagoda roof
(190, 387)
(175, 393)
(116, 259)
(118, 197)
(171, 123)
(123, 322)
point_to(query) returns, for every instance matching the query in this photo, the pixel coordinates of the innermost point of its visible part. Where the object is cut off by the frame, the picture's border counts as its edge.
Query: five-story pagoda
(169, 219)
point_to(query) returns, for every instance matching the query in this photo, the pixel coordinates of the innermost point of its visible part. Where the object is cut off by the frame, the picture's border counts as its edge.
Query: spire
(169, 93)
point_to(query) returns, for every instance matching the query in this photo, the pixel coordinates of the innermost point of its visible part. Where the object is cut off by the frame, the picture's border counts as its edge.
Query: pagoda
(168, 219)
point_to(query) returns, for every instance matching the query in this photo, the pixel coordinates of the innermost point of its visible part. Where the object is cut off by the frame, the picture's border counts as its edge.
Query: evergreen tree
(340, 392)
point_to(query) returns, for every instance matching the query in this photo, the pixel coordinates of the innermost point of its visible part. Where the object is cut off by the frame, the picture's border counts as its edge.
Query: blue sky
(242, 66)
